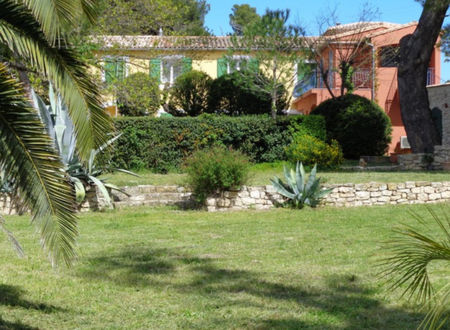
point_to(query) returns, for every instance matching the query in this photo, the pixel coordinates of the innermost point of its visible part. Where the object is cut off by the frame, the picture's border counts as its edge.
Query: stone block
(429, 190)
(248, 201)
(254, 194)
(434, 197)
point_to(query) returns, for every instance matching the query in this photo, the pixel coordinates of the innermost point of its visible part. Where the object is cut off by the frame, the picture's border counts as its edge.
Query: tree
(351, 51)
(415, 55)
(174, 17)
(242, 16)
(33, 39)
(278, 46)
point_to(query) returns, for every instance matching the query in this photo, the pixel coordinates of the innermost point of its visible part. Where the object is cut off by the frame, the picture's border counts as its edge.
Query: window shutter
(110, 70)
(155, 69)
(253, 65)
(187, 64)
(221, 67)
(120, 68)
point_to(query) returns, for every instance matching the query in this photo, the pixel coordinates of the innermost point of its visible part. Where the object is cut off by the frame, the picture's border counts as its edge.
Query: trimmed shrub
(359, 125)
(216, 169)
(162, 144)
(310, 150)
(230, 95)
(189, 94)
(138, 95)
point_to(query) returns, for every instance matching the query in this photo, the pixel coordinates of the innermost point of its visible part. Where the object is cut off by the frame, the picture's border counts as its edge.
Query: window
(236, 63)
(389, 56)
(168, 68)
(114, 69)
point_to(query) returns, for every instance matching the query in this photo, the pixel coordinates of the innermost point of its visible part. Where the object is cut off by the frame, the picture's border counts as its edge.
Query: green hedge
(163, 144)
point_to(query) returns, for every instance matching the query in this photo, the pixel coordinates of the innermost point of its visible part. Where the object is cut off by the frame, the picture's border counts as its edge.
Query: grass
(261, 174)
(165, 269)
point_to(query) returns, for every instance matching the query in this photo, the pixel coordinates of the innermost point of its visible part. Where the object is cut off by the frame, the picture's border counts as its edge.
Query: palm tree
(34, 35)
(413, 252)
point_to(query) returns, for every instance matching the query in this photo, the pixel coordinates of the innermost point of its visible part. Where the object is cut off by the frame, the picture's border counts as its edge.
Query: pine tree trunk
(415, 55)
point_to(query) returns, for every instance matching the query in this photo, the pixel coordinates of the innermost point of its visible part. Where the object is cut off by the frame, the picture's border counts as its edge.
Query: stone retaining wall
(265, 197)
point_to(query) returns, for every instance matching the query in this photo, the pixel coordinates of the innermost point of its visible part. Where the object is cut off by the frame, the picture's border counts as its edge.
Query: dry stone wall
(265, 197)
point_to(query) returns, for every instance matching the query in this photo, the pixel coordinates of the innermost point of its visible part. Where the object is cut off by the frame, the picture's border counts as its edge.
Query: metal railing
(431, 77)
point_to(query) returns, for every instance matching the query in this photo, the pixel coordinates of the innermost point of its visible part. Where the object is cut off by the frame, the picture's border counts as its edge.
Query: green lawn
(262, 173)
(165, 269)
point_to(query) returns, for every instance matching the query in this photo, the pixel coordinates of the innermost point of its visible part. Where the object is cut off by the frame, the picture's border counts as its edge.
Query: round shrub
(359, 125)
(189, 94)
(310, 150)
(215, 169)
(138, 95)
(231, 95)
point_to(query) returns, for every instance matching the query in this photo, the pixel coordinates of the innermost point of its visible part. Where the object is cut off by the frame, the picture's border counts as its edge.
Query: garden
(319, 228)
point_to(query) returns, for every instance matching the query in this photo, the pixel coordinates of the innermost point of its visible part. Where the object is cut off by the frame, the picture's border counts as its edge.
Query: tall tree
(415, 54)
(279, 46)
(174, 17)
(242, 16)
(33, 38)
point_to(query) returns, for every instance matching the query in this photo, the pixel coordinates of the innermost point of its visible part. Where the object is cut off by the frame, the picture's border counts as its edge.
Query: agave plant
(60, 128)
(298, 189)
(413, 251)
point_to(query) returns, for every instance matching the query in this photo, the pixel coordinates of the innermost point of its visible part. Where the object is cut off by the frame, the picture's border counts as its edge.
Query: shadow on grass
(11, 295)
(342, 297)
(14, 325)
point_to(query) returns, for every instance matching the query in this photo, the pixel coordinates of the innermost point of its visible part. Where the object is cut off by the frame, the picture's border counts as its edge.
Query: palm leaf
(21, 33)
(30, 160)
(57, 17)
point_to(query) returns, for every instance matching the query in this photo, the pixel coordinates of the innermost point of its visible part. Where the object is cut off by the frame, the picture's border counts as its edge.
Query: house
(375, 75)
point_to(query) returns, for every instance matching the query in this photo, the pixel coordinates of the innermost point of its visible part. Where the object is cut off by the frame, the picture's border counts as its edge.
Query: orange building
(375, 75)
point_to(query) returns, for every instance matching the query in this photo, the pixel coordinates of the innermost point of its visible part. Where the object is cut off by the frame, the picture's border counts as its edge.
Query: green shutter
(110, 70)
(120, 69)
(155, 69)
(253, 65)
(221, 67)
(187, 64)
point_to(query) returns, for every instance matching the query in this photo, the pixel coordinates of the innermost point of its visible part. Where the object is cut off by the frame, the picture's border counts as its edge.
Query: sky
(305, 13)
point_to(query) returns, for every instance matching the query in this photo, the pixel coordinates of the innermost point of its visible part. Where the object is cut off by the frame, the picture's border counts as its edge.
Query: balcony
(362, 78)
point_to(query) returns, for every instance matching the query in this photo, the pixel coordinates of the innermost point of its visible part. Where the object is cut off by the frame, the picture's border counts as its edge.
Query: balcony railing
(431, 77)
(362, 78)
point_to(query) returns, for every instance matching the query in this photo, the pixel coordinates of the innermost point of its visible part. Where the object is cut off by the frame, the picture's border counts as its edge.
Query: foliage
(359, 125)
(143, 17)
(413, 250)
(445, 42)
(31, 37)
(309, 150)
(230, 95)
(299, 190)
(60, 128)
(189, 94)
(281, 44)
(313, 125)
(216, 169)
(162, 144)
(138, 95)
(243, 16)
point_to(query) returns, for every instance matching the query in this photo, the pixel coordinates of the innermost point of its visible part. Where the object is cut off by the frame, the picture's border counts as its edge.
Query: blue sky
(305, 13)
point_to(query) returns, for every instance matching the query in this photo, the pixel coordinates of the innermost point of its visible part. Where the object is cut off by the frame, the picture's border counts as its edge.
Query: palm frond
(21, 33)
(412, 253)
(57, 17)
(29, 158)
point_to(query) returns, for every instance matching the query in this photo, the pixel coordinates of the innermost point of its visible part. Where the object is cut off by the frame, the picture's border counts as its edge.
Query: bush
(230, 96)
(162, 144)
(218, 168)
(138, 95)
(313, 125)
(359, 125)
(189, 94)
(310, 150)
